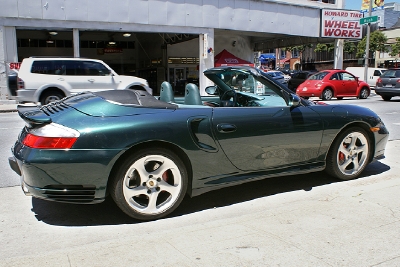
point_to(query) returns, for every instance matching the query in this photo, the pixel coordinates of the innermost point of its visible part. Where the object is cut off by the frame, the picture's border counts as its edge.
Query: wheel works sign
(341, 24)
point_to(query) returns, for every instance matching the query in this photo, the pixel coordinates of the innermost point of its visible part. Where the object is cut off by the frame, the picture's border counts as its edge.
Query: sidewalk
(8, 106)
(304, 220)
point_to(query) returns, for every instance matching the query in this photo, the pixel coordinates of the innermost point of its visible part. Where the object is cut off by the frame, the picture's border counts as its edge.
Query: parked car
(297, 79)
(47, 79)
(327, 84)
(372, 74)
(278, 76)
(388, 85)
(149, 153)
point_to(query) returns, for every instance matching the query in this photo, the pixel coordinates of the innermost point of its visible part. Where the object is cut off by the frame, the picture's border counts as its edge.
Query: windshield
(318, 76)
(391, 74)
(244, 81)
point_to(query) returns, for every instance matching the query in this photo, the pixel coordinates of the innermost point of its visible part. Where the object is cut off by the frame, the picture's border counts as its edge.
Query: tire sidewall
(332, 160)
(117, 179)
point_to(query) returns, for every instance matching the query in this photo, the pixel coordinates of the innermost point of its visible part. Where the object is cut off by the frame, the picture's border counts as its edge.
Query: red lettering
(15, 65)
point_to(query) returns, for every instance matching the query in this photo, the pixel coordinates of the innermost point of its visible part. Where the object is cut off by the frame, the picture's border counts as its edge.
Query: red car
(333, 83)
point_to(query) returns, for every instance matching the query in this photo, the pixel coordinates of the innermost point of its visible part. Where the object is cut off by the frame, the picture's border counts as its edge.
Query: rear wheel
(364, 93)
(327, 94)
(51, 96)
(386, 98)
(349, 154)
(149, 184)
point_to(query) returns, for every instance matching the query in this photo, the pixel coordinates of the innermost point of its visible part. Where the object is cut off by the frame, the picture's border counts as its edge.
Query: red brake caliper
(165, 176)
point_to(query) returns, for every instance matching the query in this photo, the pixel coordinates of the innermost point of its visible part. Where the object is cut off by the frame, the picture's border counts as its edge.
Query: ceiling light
(126, 34)
(53, 33)
(111, 43)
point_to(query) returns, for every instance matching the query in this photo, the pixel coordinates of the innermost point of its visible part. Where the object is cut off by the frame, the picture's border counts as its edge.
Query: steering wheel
(226, 96)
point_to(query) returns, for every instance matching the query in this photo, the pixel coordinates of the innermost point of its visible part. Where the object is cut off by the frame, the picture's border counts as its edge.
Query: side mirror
(211, 90)
(294, 100)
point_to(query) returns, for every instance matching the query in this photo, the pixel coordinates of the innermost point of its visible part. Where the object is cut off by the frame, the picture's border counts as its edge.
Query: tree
(299, 48)
(377, 42)
(395, 49)
(349, 47)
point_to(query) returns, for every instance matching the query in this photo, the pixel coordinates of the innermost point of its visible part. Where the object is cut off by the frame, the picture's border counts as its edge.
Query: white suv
(47, 79)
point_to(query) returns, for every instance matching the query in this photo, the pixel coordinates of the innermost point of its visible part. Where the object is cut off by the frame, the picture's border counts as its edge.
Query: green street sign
(367, 20)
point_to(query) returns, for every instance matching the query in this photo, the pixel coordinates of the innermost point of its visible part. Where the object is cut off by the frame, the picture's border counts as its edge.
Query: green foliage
(299, 48)
(395, 48)
(377, 42)
(349, 47)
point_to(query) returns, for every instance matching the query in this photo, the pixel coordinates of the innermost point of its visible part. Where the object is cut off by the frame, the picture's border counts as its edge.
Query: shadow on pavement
(107, 213)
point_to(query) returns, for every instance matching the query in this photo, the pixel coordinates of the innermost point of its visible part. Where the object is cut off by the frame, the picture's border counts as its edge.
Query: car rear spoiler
(33, 115)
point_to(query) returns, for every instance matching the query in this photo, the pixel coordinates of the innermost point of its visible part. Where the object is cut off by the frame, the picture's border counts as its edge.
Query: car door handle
(226, 128)
(91, 80)
(60, 79)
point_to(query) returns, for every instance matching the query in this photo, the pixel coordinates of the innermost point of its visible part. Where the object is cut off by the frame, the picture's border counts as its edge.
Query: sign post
(367, 42)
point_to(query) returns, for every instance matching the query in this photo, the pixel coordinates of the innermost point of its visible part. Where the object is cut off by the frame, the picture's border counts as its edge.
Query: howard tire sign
(341, 24)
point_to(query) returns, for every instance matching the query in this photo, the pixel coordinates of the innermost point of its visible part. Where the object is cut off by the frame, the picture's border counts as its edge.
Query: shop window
(68, 43)
(101, 44)
(42, 43)
(60, 43)
(84, 44)
(24, 42)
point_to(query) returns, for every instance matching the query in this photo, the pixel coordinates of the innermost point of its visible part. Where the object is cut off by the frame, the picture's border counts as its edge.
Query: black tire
(349, 154)
(51, 96)
(149, 184)
(364, 93)
(386, 98)
(327, 94)
(137, 87)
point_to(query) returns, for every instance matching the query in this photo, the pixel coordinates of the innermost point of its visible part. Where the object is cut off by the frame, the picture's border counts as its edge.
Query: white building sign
(341, 24)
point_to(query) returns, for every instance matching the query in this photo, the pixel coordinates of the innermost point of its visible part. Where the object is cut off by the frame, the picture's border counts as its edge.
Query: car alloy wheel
(149, 184)
(364, 93)
(327, 94)
(349, 154)
(50, 96)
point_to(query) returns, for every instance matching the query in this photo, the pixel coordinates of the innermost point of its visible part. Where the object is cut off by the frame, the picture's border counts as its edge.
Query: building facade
(154, 39)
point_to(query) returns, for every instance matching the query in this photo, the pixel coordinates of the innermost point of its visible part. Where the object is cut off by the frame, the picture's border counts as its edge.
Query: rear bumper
(387, 91)
(25, 95)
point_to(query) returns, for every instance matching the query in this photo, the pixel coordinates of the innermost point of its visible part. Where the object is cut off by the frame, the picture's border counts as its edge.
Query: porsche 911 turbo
(148, 152)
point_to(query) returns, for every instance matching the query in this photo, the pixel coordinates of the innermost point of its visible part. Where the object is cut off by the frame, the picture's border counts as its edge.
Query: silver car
(388, 84)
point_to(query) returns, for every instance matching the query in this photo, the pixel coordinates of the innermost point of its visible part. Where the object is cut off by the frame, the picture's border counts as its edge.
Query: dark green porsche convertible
(149, 152)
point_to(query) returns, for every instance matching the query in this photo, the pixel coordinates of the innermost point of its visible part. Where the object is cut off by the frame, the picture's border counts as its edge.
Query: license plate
(388, 85)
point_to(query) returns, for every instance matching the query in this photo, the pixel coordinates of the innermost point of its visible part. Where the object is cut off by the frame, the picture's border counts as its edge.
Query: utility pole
(367, 43)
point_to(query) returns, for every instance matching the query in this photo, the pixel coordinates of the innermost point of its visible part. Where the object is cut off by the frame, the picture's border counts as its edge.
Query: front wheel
(349, 154)
(149, 184)
(327, 94)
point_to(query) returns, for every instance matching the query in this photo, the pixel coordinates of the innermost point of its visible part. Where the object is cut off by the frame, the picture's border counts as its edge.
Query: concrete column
(206, 58)
(338, 60)
(8, 54)
(76, 42)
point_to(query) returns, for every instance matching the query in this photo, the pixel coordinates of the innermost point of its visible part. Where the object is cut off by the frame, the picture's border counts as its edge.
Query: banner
(376, 4)
(341, 24)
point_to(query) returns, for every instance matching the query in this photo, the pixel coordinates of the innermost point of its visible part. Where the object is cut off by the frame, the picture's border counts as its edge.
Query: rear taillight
(51, 136)
(379, 80)
(21, 83)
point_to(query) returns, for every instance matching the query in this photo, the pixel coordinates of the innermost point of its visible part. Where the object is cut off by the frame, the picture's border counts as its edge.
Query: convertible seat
(167, 94)
(192, 95)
